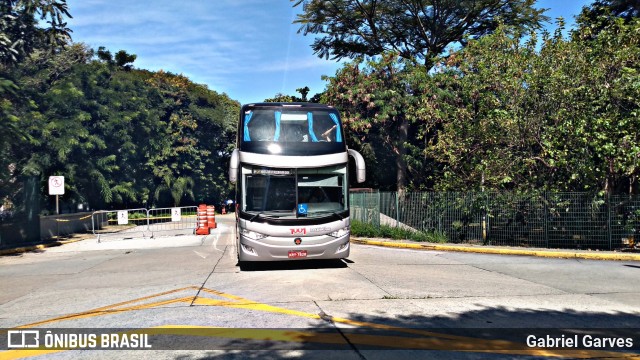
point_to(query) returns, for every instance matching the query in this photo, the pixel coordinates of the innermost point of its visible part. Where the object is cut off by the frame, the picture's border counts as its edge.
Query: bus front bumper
(285, 248)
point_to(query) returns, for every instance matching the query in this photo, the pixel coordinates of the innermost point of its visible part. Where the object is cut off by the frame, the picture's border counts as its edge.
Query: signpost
(56, 187)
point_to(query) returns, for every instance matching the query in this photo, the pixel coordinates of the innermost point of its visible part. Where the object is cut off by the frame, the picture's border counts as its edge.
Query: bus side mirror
(361, 175)
(233, 166)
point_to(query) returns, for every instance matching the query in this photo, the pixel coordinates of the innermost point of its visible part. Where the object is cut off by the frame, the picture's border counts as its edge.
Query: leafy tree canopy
(19, 30)
(304, 92)
(414, 29)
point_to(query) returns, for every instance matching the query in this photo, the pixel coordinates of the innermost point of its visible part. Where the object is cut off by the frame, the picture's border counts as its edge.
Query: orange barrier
(203, 223)
(211, 217)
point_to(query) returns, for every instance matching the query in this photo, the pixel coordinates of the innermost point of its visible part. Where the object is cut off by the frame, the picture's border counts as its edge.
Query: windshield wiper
(334, 213)
(256, 215)
(270, 211)
(337, 214)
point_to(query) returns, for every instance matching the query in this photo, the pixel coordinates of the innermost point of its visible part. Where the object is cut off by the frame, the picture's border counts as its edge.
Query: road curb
(25, 249)
(563, 254)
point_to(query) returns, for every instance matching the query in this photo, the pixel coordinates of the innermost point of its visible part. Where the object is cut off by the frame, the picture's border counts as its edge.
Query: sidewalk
(40, 246)
(503, 250)
(415, 245)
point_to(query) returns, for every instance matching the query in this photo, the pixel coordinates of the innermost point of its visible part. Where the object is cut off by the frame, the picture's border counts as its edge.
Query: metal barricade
(172, 221)
(120, 223)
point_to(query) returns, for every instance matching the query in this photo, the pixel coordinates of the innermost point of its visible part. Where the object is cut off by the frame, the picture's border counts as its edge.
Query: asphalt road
(189, 295)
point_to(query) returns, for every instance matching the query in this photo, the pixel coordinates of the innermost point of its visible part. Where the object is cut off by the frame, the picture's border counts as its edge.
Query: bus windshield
(295, 130)
(291, 126)
(294, 193)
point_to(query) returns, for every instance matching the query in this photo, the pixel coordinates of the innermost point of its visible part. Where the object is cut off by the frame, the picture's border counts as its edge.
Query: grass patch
(361, 229)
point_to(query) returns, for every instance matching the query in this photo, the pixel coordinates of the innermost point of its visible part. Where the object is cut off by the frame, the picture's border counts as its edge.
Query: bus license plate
(294, 254)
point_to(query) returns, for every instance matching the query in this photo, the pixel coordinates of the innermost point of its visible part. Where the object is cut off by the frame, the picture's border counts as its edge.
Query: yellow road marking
(110, 309)
(21, 354)
(502, 251)
(451, 342)
(428, 340)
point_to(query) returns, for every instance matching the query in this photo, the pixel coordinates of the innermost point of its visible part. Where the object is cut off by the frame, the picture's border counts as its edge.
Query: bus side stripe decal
(310, 120)
(277, 135)
(338, 132)
(247, 118)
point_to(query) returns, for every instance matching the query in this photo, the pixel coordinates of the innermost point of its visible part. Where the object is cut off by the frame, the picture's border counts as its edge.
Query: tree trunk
(401, 165)
(609, 184)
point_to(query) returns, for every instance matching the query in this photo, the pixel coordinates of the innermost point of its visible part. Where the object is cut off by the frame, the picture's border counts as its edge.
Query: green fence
(551, 220)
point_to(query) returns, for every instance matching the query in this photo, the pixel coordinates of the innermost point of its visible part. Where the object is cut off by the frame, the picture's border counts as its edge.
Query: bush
(361, 229)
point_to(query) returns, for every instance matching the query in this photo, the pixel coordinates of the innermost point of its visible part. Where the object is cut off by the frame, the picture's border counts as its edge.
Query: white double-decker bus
(291, 172)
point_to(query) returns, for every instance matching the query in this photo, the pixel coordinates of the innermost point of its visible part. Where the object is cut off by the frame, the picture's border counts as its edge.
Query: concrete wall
(65, 224)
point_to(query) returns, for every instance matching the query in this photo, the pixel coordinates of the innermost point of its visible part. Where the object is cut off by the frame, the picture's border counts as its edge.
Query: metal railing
(172, 220)
(124, 223)
(552, 220)
(129, 223)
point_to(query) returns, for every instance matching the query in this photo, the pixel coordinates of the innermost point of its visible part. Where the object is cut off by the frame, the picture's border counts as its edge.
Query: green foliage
(20, 33)
(279, 97)
(121, 137)
(361, 229)
(416, 30)
(304, 92)
(600, 12)
(512, 110)
(136, 215)
(376, 100)
(560, 118)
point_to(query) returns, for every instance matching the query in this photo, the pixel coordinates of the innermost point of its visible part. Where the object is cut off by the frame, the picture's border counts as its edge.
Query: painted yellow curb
(24, 249)
(492, 250)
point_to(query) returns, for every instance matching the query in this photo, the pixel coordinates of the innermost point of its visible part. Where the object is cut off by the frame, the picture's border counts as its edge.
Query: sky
(248, 49)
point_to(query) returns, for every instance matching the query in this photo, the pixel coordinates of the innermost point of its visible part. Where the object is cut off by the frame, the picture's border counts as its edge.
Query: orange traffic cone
(203, 225)
(211, 217)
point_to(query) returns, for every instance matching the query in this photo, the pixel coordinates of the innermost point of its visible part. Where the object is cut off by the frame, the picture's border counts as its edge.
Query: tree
(117, 134)
(304, 92)
(414, 29)
(488, 133)
(177, 187)
(376, 99)
(280, 97)
(562, 118)
(625, 9)
(20, 34)
(125, 60)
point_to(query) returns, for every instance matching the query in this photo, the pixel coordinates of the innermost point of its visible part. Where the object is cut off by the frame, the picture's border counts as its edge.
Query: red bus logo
(302, 231)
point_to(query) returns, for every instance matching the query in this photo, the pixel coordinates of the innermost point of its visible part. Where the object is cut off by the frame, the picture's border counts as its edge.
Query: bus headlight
(340, 233)
(252, 234)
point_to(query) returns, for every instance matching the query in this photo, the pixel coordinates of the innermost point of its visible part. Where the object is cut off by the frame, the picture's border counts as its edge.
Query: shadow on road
(494, 333)
(292, 265)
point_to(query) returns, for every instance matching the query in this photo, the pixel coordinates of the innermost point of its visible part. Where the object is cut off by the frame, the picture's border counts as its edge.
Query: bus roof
(303, 105)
